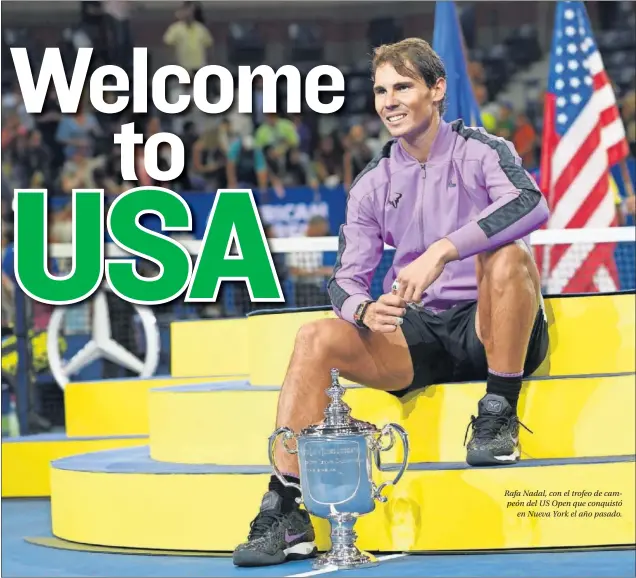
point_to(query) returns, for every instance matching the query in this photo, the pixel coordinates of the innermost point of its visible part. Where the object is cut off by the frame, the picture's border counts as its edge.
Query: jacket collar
(441, 149)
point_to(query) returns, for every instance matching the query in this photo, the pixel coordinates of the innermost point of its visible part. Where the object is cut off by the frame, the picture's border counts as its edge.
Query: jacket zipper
(421, 215)
(423, 166)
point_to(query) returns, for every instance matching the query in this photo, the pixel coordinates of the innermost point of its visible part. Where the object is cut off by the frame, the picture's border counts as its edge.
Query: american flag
(583, 137)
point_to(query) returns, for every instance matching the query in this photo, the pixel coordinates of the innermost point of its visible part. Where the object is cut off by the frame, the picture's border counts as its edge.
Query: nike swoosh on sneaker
(292, 537)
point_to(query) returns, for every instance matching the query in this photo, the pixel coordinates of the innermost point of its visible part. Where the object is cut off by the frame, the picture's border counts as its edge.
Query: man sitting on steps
(462, 301)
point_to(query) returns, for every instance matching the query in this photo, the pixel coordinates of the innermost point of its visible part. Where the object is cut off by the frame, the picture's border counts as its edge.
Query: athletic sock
(289, 495)
(507, 385)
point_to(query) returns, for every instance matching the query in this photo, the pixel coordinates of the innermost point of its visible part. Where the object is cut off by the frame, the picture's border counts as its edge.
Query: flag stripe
(581, 186)
(580, 130)
(618, 152)
(595, 64)
(614, 133)
(584, 137)
(580, 157)
(575, 255)
(604, 279)
(584, 214)
(584, 275)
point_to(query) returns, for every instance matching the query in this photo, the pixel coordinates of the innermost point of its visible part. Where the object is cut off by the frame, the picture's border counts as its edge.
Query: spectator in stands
(524, 139)
(12, 128)
(239, 124)
(6, 190)
(628, 111)
(14, 141)
(79, 170)
(108, 176)
(505, 121)
(209, 160)
(92, 23)
(190, 39)
(109, 180)
(357, 154)
(329, 163)
(78, 130)
(258, 116)
(246, 168)
(279, 133)
(47, 122)
(299, 171)
(36, 162)
(13, 103)
(117, 27)
(304, 134)
(476, 72)
(276, 167)
(308, 271)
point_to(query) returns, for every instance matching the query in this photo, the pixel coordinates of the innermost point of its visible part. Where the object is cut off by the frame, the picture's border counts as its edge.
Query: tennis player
(462, 301)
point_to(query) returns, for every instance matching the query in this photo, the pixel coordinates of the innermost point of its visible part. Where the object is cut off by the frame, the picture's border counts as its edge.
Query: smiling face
(405, 104)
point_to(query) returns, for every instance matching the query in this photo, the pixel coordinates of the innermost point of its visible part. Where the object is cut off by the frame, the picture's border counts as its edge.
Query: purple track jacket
(471, 190)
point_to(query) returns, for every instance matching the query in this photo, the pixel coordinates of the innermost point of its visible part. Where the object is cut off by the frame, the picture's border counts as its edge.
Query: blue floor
(31, 518)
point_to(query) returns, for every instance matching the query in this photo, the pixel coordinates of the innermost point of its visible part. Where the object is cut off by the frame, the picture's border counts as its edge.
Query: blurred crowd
(268, 153)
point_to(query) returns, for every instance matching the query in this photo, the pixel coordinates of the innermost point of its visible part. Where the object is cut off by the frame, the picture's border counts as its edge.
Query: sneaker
(276, 537)
(495, 438)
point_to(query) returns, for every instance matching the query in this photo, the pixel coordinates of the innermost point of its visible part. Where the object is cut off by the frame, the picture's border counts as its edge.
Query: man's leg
(509, 290)
(282, 531)
(377, 360)
(508, 301)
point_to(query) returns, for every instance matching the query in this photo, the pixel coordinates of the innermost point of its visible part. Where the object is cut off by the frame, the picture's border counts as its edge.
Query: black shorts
(445, 348)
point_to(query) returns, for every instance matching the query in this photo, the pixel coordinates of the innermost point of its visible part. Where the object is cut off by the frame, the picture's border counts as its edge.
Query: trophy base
(345, 559)
(344, 554)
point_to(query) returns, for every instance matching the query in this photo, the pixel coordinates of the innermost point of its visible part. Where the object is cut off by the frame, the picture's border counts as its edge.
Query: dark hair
(415, 58)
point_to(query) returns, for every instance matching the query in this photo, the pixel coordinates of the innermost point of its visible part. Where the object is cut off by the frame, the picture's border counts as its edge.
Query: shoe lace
(263, 522)
(486, 426)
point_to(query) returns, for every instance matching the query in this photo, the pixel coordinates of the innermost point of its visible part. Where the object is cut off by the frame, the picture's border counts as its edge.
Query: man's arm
(517, 208)
(359, 252)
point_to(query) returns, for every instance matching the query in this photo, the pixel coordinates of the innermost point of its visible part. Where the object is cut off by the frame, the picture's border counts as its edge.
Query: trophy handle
(388, 430)
(287, 434)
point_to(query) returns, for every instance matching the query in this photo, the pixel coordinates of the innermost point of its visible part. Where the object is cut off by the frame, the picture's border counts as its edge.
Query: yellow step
(271, 339)
(26, 460)
(122, 498)
(575, 348)
(211, 347)
(116, 406)
(230, 423)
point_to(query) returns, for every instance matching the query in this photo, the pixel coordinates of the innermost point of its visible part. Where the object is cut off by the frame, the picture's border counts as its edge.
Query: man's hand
(419, 275)
(385, 315)
(630, 205)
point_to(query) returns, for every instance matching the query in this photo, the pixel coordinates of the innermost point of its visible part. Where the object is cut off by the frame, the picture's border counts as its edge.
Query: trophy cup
(335, 460)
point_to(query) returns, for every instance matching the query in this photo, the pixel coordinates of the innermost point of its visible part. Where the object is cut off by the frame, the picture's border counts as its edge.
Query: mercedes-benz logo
(101, 344)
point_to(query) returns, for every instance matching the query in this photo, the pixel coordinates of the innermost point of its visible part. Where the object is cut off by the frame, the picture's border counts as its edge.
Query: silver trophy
(335, 459)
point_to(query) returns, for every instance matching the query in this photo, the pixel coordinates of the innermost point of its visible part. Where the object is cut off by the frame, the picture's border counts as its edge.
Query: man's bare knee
(508, 267)
(316, 337)
(381, 361)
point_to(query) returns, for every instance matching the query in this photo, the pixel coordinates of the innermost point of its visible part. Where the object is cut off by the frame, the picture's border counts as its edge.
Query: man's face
(404, 104)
